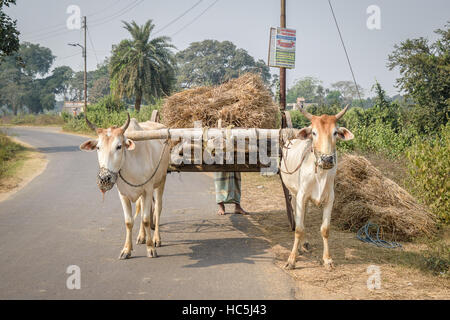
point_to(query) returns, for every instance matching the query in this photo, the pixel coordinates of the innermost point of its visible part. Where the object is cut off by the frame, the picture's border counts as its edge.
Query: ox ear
(130, 144)
(89, 145)
(304, 133)
(344, 134)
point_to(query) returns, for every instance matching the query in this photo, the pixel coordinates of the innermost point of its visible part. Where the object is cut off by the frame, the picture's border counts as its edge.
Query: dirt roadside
(31, 165)
(399, 270)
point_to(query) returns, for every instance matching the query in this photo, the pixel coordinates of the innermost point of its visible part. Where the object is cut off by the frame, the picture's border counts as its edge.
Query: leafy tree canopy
(142, 67)
(20, 86)
(305, 87)
(37, 60)
(211, 62)
(425, 77)
(348, 90)
(9, 35)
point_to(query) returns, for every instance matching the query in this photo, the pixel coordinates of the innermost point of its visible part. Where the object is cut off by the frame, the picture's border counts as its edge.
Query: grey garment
(228, 187)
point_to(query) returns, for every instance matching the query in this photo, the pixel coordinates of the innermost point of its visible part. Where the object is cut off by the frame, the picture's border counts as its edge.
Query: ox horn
(125, 126)
(341, 113)
(90, 124)
(305, 113)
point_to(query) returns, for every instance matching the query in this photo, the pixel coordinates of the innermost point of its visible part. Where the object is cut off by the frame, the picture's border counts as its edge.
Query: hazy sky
(246, 23)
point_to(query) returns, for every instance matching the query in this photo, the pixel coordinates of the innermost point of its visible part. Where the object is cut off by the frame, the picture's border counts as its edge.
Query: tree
(212, 62)
(59, 81)
(76, 86)
(348, 90)
(142, 67)
(37, 60)
(99, 83)
(425, 77)
(23, 84)
(12, 85)
(333, 97)
(9, 35)
(100, 88)
(305, 87)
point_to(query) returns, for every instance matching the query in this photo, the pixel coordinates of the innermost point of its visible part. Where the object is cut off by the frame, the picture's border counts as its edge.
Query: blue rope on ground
(363, 234)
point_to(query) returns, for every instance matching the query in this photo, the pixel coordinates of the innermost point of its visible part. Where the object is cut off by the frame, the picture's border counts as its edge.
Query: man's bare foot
(221, 210)
(238, 210)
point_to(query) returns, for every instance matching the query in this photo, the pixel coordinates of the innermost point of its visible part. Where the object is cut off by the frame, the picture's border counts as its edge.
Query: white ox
(142, 169)
(308, 169)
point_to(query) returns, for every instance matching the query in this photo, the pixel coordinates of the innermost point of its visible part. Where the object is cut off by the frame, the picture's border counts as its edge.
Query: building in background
(73, 107)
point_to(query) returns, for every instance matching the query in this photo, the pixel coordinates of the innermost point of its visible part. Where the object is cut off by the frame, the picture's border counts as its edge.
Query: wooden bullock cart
(261, 136)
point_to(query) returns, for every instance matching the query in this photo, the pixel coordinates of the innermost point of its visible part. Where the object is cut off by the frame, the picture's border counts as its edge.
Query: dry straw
(363, 193)
(243, 102)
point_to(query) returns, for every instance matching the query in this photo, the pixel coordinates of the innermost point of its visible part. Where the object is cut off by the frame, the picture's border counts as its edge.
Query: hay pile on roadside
(243, 102)
(363, 193)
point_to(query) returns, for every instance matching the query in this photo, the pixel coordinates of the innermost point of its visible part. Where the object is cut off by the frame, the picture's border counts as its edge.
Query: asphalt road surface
(59, 220)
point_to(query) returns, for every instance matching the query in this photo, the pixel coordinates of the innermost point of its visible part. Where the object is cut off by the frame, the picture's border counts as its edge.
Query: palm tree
(142, 67)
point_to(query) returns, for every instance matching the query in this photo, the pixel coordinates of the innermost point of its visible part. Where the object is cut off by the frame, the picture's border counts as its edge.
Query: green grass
(33, 120)
(11, 155)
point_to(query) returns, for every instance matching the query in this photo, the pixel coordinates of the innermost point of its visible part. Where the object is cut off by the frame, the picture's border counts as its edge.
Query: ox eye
(335, 133)
(119, 147)
(313, 133)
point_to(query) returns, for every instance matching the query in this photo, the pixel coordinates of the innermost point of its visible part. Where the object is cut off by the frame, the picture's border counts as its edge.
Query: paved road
(59, 220)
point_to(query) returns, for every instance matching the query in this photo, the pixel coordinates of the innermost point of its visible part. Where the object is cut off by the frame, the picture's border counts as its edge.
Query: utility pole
(287, 195)
(85, 66)
(85, 63)
(283, 70)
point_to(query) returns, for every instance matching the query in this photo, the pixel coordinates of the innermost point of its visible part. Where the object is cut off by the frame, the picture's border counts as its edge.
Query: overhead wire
(117, 15)
(177, 18)
(345, 50)
(62, 29)
(195, 19)
(92, 44)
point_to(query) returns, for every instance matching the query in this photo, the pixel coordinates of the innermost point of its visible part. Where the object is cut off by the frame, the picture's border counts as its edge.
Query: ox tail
(139, 208)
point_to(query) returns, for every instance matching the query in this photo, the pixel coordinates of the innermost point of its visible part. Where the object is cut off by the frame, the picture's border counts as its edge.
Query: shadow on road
(226, 251)
(59, 149)
(223, 250)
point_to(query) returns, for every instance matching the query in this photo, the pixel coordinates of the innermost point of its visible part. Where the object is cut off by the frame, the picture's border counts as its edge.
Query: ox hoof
(157, 243)
(328, 264)
(140, 239)
(289, 266)
(124, 255)
(152, 253)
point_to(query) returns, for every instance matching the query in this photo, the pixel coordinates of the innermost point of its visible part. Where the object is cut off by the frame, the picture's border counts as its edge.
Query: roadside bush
(8, 150)
(112, 104)
(428, 165)
(379, 138)
(102, 117)
(33, 119)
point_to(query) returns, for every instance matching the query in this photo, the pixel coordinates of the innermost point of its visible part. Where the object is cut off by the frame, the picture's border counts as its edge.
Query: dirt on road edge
(33, 164)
